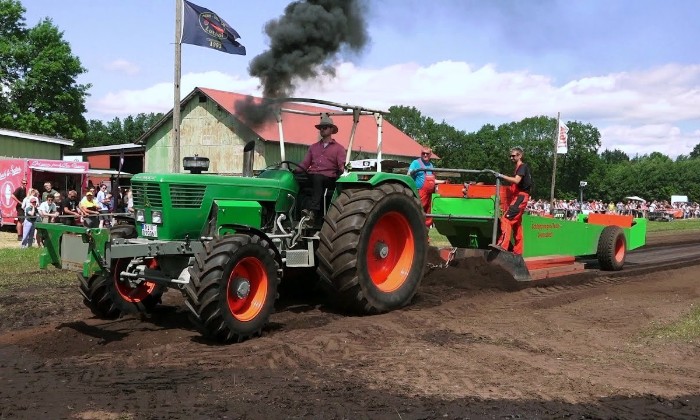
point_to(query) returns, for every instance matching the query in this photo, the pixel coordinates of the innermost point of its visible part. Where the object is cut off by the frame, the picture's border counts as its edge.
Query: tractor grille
(187, 196)
(147, 194)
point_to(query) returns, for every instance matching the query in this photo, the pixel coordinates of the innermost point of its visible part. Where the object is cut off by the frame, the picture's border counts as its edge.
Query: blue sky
(630, 68)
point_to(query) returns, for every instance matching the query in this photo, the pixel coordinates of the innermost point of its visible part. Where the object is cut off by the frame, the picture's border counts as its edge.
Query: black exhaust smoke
(303, 43)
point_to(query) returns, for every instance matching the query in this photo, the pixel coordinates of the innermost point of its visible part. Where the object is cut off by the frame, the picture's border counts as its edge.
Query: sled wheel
(109, 296)
(233, 287)
(373, 248)
(612, 248)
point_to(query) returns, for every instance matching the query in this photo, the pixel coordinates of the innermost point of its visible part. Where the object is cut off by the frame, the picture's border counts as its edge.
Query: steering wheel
(296, 165)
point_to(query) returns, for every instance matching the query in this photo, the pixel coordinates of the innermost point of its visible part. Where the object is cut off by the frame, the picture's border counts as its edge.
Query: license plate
(149, 230)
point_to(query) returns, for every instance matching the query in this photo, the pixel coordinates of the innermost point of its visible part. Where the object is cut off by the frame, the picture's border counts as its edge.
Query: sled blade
(512, 263)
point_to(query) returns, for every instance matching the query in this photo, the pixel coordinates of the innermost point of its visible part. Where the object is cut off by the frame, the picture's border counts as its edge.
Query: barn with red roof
(210, 127)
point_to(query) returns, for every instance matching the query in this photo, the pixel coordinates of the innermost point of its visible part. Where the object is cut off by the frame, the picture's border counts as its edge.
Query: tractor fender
(373, 180)
(231, 228)
(218, 225)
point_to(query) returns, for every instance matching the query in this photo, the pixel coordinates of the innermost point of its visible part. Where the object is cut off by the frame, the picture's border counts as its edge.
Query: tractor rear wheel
(612, 248)
(109, 296)
(373, 248)
(233, 287)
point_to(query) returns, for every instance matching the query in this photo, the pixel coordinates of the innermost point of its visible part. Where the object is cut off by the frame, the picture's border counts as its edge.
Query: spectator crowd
(94, 209)
(569, 209)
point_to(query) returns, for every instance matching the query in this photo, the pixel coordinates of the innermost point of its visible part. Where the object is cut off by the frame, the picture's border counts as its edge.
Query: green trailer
(468, 215)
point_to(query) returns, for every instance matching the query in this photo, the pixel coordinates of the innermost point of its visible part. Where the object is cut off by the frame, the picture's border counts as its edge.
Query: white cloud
(123, 66)
(637, 112)
(159, 97)
(643, 140)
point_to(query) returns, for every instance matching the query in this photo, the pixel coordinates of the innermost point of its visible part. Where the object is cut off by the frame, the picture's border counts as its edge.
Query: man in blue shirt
(425, 180)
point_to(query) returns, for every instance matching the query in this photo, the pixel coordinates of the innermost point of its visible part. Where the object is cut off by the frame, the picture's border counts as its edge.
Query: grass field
(676, 225)
(20, 268)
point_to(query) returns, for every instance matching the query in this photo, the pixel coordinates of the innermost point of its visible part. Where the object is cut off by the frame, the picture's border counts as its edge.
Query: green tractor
(226, 242)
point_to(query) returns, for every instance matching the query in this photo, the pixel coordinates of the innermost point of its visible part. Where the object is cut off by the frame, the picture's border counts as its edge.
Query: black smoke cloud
(303, 43)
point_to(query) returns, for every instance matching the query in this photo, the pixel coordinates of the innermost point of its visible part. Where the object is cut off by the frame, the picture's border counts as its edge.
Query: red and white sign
(13, 171)
(58, 165)
(563, 138)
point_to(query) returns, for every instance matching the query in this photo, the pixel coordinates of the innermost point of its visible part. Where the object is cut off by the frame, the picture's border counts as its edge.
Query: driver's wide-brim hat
(326, 121)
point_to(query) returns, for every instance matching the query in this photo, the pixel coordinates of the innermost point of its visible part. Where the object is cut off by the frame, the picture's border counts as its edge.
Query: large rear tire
(233, 287)
(109, 296)
(373, 248)
(612, 248)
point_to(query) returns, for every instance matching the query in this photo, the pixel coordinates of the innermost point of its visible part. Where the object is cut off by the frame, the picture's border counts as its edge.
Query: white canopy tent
(635, 198)
(109, 172)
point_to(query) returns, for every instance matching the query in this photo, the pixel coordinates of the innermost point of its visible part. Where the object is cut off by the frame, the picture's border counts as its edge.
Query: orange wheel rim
(390, 252)
(620, 249)
(246, 289)
(126, 291)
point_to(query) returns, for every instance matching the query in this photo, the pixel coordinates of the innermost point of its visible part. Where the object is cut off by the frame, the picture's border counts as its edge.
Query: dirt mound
(471, 272)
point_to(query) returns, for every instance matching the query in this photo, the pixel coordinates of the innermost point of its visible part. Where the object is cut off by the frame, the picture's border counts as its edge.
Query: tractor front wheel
(373, 248)
(233, 287)
(612, 248)
(109, 296)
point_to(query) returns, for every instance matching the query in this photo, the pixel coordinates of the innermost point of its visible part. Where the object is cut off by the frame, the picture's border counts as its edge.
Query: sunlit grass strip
(19, 268)
(685, 329)
(674, 226)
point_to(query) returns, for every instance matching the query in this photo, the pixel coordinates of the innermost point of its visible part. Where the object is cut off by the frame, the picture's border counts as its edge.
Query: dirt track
(463, 349)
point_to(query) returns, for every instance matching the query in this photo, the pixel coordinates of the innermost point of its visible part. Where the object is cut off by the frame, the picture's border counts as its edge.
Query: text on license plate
(149, 230)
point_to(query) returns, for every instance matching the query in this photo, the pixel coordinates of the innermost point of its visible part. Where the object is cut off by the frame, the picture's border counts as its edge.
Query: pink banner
(57, 164)
(12, 172)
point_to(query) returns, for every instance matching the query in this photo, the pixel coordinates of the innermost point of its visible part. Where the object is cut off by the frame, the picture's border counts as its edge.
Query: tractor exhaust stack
(248, 158)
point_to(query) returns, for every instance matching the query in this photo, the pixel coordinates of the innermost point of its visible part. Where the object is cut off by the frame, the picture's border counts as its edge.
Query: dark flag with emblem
(205, 28)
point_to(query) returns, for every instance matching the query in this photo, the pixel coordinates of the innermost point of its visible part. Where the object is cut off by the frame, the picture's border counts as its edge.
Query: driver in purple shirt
(324, 162)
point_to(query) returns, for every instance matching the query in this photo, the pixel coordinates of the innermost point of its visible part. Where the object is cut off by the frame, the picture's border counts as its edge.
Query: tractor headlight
(139, 216)
(157, 217)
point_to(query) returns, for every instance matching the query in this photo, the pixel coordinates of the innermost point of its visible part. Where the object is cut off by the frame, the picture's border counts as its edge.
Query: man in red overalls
(521, 184)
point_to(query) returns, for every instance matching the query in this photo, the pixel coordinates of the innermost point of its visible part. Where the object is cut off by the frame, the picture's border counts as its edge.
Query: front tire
(373, 248)
(233, 287)
(108, 296)
(612, 248)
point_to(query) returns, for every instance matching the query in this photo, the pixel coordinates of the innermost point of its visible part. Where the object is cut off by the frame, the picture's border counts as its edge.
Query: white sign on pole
(563, 139)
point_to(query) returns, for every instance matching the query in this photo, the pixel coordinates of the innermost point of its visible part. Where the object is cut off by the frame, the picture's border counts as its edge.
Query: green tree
(536, 136)
(446, 141)
(40, 93)
(12, 35)
(117, 131)
(580, 160)
(696, 152)
(614, 156)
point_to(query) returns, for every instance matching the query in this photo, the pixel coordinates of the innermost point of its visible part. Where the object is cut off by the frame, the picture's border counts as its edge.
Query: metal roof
(99, 149)
(36, 137)
(299, 129)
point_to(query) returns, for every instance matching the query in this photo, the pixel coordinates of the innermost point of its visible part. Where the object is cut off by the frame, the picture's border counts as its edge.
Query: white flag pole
(175, 164)
(554, 168)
